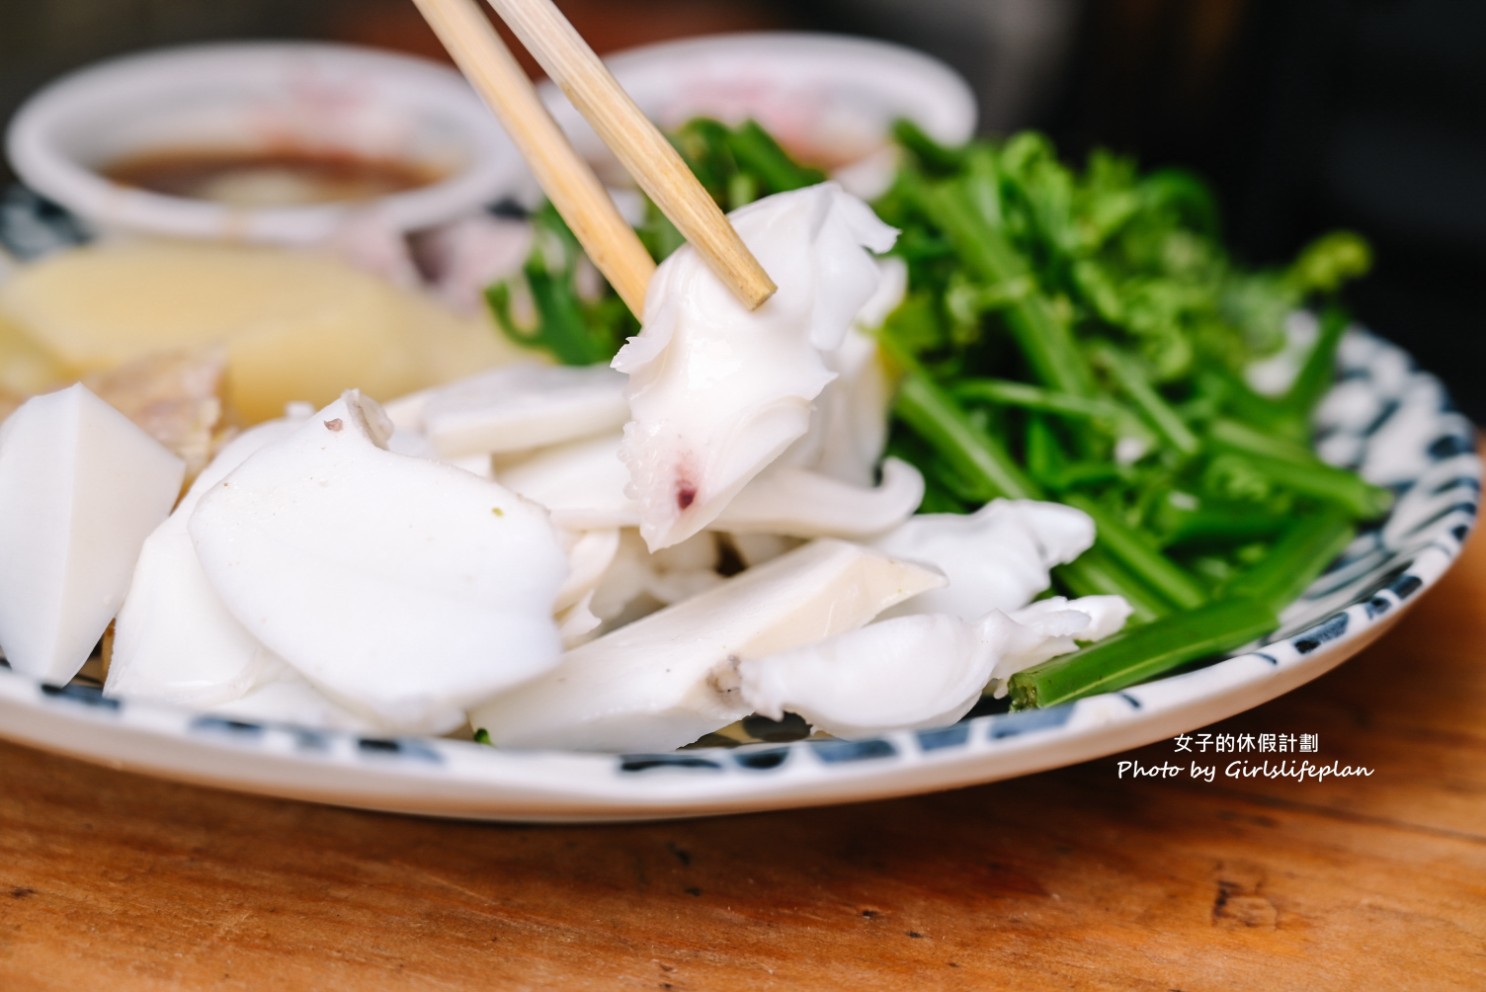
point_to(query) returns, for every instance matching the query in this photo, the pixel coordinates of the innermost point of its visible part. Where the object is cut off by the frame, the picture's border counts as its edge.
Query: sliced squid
(848, 430)
(578, 624)
(404, 589)
(653, 684)
(581, 483)
(522, 407)
(798, 502)
(997, 558)
(716, 393)
(590, 553)
(584, 485)
(174, 640)
(81, 487)
(912, 672)
(638, 582)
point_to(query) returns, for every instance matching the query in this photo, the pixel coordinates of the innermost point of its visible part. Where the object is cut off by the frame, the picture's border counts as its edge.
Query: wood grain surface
(1073, 879)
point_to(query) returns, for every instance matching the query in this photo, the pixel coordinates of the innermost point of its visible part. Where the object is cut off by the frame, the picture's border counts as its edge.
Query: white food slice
(848, 430)
(638, 582)
(912, 672)
(81, 487)
(717, 392)
(174, 640)
(651, 685)
(523, 406)
(683, 570)
(404, 589)
(581, 483)
(590, 554)
(798, 502)
(578, 624)
(997, 558)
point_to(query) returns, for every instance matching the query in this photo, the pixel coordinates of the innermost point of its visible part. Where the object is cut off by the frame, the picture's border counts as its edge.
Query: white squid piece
(81, 487)
(174, 640)
(920, 671)
(717, 393)
(590, 553)
(581, 483)
(653, 685)
(517, 407)
(996, 558)
(931, 657)
(849, 428)
(798, 502)
(403, 589)
(638, 582)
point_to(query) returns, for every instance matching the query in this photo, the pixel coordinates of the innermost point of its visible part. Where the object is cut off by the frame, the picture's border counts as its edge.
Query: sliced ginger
(295, 326)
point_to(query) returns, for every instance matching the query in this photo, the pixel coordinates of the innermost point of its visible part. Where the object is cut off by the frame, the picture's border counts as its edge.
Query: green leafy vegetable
(1096, 319)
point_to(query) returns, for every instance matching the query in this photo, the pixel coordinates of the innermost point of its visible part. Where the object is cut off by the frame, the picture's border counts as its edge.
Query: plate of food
(1018, 468)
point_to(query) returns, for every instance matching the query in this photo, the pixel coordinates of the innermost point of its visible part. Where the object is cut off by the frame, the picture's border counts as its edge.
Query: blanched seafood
(653, 684)
(404, 589)
(717, 392)
(566, 558)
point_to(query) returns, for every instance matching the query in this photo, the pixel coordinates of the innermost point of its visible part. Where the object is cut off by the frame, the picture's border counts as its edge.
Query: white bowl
(308, 96)
(829, 94)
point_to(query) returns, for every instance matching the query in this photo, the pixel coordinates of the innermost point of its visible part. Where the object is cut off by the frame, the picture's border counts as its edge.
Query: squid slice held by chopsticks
(716, 392)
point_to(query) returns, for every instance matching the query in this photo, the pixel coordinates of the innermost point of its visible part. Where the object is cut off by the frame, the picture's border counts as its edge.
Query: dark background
(1305, 114)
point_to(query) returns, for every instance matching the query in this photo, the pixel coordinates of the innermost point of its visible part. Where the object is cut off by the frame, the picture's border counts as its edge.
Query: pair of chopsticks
(568, 181)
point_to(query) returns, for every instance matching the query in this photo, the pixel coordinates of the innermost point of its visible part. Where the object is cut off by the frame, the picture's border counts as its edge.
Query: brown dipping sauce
(269, 178)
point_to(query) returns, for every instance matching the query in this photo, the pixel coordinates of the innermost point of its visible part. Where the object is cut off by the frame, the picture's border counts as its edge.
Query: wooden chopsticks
(568, 181)
(640, 147)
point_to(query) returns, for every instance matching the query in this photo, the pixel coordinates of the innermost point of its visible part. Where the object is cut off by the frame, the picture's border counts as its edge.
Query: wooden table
(1068, 880)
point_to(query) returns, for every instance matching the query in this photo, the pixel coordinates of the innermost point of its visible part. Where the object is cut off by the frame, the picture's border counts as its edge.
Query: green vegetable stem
(1143, 652)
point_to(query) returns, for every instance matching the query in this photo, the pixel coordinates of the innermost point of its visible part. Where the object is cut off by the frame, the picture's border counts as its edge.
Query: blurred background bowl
(295, 99)
(830, 100)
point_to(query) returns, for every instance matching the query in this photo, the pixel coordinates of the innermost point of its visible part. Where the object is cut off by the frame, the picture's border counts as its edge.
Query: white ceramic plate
(1384, 417)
